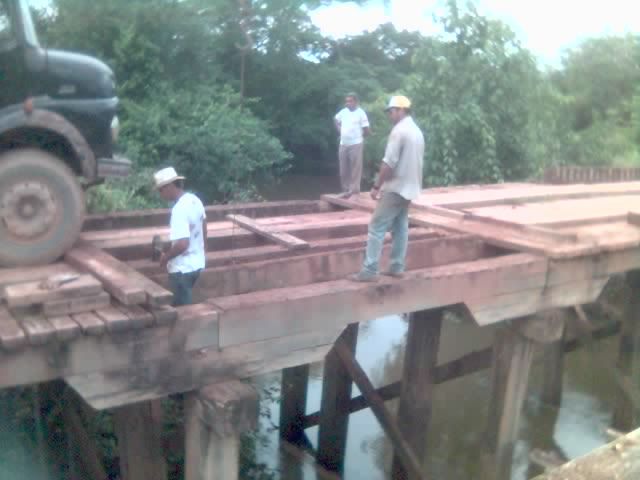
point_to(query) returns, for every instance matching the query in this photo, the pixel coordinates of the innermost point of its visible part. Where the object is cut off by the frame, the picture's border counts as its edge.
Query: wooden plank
(114, 319)
(330, 266)
(34, 293)
(89, 323)
(273, 313)
(140, 318)
(285, 239)
(69, 306)
(66, 329)
(418, 380)
(158, 217)
(237, 256)
(388, 423)
(178, 373)
(634, 218)
(336, 394)
(195, 329)
(12, 276)
(164, 315)
(12, 336)
(118, 279)
(38, 329)
(619, 459)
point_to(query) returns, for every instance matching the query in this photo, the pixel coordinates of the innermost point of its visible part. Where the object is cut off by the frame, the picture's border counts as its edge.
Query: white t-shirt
(351, 125)
(186, 222)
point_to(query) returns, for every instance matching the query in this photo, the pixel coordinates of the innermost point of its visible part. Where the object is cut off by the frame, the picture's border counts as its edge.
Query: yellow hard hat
(399, 101)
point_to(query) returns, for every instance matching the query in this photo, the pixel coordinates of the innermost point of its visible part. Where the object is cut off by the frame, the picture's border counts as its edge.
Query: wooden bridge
(274, 297)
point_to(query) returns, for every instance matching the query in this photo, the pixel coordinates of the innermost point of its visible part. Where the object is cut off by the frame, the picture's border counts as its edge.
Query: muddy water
(460, 406)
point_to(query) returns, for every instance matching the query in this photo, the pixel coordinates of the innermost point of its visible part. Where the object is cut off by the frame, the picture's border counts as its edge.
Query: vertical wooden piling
(553, 372)
(336, 394)
(512, 356)
(139, 428)
(293, 403)
(215, 418)
(416, 395)
(625, 411)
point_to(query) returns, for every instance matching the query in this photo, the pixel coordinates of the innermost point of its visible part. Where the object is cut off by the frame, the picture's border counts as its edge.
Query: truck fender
(47, 120)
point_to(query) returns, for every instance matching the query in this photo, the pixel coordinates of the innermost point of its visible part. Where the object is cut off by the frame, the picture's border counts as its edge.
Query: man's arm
(204, 233)
(177, 248)
(366, 131)
(385, 173)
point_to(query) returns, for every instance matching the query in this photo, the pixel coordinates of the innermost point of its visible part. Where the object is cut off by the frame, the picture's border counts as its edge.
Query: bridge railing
(576, 174)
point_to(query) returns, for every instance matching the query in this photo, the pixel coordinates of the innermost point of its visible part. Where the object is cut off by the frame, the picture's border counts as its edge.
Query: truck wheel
(41, 207)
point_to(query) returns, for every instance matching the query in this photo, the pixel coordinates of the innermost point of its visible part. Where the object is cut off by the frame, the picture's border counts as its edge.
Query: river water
(460, 406)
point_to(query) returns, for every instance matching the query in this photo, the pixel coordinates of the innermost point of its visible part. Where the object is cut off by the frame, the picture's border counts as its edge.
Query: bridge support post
(416, 394)
(334, 416)
(512, 357)
(139, 428)
(625, 414)
(215, 417)
(293, 403)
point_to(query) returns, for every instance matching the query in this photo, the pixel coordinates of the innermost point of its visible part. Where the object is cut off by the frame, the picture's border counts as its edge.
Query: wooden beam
(466, 365)
(512, 358)
(552, 383)
(69, 306)
(160, 217)
(13, 276)
(139, 431)
(329, 266)
(285, 239)
(196, 328)
(336, 394)
(418, 380)
(216, 416)
(12, 336)
(121, 281)
(34, 293)
(293, 403)
(388, 423)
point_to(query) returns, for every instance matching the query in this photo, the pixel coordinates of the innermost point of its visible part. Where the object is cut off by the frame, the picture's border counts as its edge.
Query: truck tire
(42, 207)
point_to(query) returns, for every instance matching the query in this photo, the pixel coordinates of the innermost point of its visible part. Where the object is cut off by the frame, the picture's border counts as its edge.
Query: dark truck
(58, 126)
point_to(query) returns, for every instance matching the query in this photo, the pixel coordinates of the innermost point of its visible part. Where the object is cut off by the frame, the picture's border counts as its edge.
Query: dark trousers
(181, 285)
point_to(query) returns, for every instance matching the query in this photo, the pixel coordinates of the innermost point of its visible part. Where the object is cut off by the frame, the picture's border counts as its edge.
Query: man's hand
(375, 193)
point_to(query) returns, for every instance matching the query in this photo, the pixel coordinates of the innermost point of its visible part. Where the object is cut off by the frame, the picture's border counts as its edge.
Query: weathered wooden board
(38, 329)
(89, 323)
(68, 306)
(273, 313)
(114, 319)
(618, 460)
(160, 217)
(66, 329)
(123, 282)
(118, 279)
(184, 373)
(33, 293)
(13, 276)
(12, 335)
(285, 239)
(196, 328)
(330, 266)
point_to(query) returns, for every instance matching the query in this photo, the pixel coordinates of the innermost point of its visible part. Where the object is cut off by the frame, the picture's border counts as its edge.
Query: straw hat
(165, 177)
(399, 101)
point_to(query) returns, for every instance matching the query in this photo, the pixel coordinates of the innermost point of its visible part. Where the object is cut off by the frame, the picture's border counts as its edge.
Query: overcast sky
(546, 27)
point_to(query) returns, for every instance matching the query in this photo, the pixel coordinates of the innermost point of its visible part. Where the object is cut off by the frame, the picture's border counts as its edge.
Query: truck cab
(58, 127)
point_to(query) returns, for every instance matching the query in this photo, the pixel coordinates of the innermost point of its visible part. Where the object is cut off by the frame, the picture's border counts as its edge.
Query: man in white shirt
(185, 256)
(353, 125)
(400, 181)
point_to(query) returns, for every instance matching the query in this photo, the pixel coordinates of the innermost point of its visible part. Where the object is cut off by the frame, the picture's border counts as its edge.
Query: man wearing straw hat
(184, 258)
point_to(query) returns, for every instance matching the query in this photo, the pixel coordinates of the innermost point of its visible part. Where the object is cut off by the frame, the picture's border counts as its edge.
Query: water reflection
(460, 408)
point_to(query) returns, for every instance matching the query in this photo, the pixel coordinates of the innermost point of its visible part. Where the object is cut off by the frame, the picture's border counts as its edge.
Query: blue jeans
(181, 285)
(391, 213)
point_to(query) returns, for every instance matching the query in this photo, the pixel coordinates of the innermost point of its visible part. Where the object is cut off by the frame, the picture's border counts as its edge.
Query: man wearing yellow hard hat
(399, 181)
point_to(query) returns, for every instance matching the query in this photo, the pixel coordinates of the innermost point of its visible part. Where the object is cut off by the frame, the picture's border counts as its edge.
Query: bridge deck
(504, 251)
